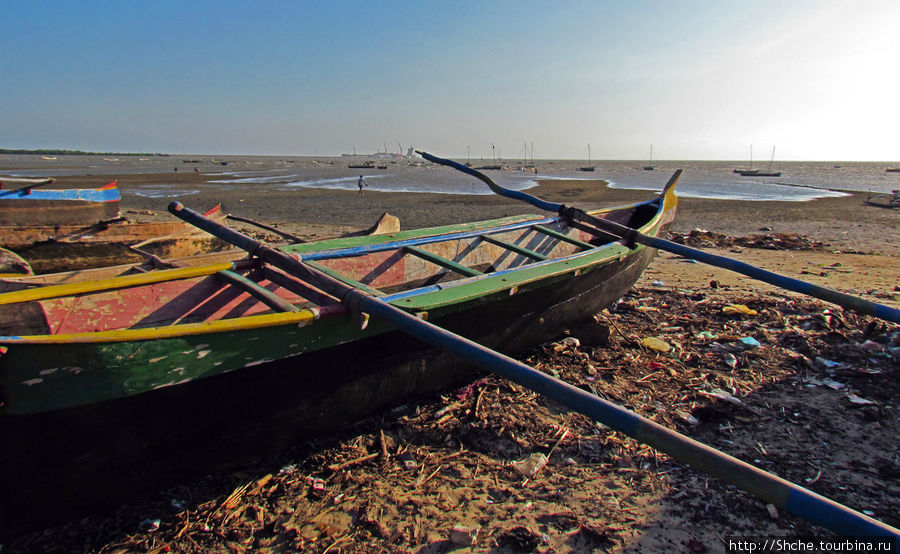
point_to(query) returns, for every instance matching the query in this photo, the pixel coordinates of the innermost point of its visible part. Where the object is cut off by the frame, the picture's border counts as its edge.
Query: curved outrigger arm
(633, 236)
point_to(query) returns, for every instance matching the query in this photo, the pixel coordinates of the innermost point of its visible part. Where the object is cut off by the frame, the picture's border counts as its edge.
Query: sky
(699, 80)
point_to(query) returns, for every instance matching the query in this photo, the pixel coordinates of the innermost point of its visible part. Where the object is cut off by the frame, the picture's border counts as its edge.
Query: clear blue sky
(697, 79)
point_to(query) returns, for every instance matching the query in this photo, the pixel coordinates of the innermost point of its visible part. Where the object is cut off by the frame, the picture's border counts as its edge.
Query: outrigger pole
(578, 218)
(775, 490)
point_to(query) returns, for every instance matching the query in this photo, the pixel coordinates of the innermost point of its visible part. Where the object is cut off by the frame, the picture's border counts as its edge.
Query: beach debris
(751, 342)
(829, 364)
(654, 343)
(566, 344)
(463, 535)
(704, 238)
(530, 466)
(730, 360)
(773, 511)
(738, 309)
(658, 283)
(719, 394)
(871, 346)
(400, 506)
(150, 525)
(858, 400)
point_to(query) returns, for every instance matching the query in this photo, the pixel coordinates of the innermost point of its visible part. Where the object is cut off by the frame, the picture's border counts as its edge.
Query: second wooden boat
(30, 205)
(53, 248)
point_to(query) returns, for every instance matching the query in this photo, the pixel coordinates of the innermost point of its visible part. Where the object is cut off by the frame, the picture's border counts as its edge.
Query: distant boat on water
(588, 167)
(892, 170)
(759, 173)
(649, 166)
(49, 157)
(495, 165)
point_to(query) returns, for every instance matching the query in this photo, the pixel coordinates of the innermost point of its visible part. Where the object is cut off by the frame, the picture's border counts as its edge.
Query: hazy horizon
(698, 81)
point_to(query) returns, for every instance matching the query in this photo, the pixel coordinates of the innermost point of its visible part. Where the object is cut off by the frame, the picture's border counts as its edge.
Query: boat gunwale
(587, 258)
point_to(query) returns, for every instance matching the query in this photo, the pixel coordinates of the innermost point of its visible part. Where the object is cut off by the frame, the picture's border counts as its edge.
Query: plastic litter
(150, 525)
(859, 400)
(706, 335)
(738, 309)
(751, 342)
(530, 466)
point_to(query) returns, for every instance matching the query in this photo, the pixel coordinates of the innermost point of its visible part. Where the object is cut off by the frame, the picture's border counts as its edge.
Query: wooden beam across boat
(441, 261)
(514, 248)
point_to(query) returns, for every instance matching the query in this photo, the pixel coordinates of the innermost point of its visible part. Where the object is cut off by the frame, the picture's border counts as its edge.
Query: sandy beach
(445, 484)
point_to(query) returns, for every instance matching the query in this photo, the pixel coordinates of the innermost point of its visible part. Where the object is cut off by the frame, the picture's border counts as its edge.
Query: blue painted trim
(386, 246)
(91, 195)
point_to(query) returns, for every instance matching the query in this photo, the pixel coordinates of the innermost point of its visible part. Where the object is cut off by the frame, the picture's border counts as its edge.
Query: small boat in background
(649, 166)
(759, 173)
(892, 170)
(29, 205)
(588, 167)
(891, 202)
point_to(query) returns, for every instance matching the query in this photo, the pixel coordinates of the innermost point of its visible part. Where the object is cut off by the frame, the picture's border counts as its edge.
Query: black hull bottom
(63, 464)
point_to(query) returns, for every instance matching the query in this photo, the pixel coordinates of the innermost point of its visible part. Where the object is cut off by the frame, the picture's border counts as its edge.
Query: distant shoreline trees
(57, 151)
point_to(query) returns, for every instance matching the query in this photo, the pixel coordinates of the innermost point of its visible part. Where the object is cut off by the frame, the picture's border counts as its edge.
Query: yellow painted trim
(121, 282)
(300, 318)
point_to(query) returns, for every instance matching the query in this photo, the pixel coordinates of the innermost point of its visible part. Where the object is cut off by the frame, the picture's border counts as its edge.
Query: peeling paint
(178, 370)
(32, 382)
(154, 360)
(50, 371)
(258, 362)
(203, 354)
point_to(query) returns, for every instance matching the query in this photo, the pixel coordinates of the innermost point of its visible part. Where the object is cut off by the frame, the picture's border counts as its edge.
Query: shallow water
(799, 181)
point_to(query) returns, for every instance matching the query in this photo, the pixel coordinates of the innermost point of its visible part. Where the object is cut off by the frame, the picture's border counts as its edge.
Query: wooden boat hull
(52, 207)
(53, 248)
(223, 398)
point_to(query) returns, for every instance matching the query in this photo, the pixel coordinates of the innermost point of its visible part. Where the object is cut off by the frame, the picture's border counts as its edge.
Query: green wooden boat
(241, 357)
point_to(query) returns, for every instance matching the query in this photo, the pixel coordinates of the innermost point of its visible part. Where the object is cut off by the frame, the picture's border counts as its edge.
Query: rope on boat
(775, 490)
(632, 236)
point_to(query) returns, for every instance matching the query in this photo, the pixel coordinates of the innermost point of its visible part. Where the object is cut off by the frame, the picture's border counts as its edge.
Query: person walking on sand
(361, 183)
